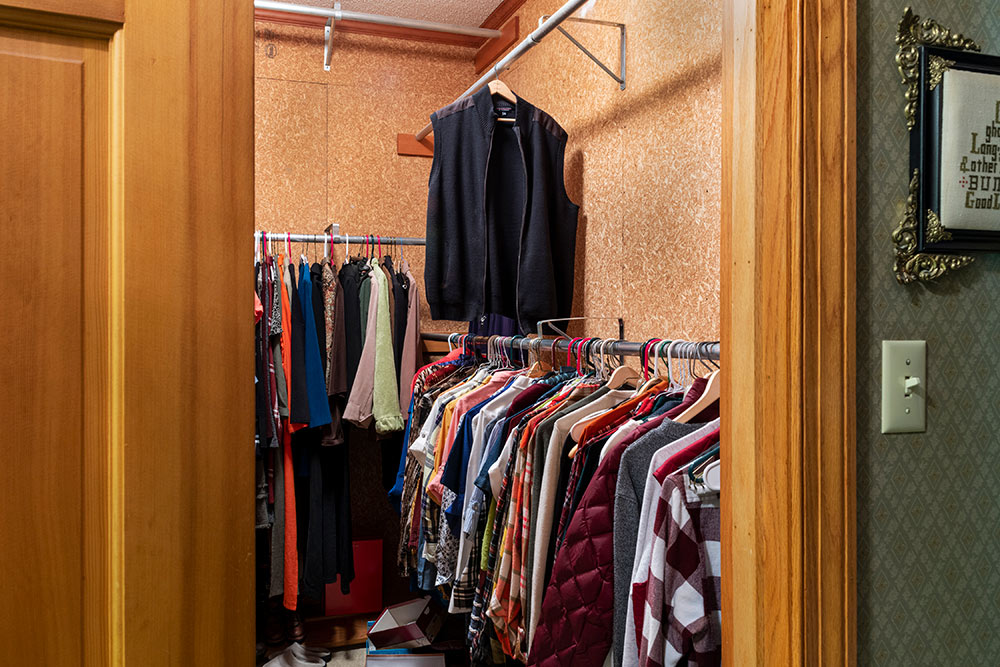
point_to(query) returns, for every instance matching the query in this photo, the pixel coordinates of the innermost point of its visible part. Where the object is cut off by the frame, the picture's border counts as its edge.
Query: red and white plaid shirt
(681, 605)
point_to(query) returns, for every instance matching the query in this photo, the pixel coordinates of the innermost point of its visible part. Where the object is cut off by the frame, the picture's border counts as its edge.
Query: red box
(366, 589)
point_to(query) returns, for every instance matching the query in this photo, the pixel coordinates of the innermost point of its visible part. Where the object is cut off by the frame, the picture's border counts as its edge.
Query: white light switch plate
(904, 408)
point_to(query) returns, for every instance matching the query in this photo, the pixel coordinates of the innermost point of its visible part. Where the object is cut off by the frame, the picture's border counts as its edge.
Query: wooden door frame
(176, 508)
(788, 318)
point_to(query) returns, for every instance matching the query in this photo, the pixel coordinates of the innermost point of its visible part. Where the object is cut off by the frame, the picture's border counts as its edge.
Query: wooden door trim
(116, 357)
(97, 27)
(788, 318)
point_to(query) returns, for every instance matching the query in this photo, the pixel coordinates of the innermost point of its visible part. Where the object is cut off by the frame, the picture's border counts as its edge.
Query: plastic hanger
(695, 470)
(712, 475)
(712, 392)
(672, 384)
(648, 382)
(569, 354)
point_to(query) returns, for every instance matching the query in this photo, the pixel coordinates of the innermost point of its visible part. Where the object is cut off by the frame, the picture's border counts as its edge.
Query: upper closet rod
(534, 38)
(694, 350)
(361, 17)
(337, 238)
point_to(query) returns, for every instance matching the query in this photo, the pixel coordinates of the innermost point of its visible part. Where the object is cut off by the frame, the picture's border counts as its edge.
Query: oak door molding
(788, 318)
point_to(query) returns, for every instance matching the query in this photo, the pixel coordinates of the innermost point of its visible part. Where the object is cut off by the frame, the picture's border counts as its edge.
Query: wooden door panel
(53, 208)
(126, 203)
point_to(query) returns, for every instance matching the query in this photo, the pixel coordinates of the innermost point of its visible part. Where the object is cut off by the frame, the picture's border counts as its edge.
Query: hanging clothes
(350, 281)
(411, 339)
(385, 393)
(498, 519)
(359, 404)
(299, 403)
(319, 408)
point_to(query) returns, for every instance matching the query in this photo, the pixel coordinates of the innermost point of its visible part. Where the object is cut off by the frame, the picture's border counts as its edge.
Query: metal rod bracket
(331, 27)
(622, 46)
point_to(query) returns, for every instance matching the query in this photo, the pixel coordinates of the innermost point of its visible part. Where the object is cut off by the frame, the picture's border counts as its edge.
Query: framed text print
(953, 117)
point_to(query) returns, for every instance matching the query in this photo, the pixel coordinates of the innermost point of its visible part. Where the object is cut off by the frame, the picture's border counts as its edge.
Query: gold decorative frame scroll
(910, 265)
(936, 68)
(912, 34)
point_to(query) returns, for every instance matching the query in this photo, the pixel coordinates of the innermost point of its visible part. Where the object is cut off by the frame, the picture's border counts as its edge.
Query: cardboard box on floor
(411, 624)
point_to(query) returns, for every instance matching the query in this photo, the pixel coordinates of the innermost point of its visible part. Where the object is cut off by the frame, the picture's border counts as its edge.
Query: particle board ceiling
(459, 12)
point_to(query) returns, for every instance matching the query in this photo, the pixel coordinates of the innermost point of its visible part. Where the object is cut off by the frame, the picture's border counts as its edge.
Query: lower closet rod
(337, 238)
(683, 350)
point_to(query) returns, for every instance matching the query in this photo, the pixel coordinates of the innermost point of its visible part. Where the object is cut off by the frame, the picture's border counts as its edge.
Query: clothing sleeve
(385, 394)
(359, 404)
(411, 343)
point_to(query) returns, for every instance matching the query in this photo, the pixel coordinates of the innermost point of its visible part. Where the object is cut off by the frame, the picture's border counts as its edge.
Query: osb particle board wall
(326, 141)
(644, 163)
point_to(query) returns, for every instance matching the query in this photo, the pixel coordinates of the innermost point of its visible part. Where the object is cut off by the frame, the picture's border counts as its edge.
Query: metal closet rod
(337, 238)
(706, 350)
(531, 40)
(361, 17)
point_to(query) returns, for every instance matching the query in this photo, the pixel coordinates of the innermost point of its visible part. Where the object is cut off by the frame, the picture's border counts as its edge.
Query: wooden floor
(338, 632)
(345, 635)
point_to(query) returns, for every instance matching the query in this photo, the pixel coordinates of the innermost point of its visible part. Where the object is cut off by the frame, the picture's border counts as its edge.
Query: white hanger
(713, 476)
(673, 384)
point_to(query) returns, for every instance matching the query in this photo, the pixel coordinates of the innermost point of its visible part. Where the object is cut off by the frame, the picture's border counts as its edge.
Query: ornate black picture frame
(930, 241)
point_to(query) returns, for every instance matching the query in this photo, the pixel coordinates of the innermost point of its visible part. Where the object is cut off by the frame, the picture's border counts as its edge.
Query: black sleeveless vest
(501, 230)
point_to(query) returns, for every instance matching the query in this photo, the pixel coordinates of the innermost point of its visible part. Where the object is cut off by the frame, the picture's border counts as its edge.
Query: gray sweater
(628, 495)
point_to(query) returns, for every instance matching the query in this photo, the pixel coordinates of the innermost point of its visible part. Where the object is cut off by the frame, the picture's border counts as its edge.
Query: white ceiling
(459, 12)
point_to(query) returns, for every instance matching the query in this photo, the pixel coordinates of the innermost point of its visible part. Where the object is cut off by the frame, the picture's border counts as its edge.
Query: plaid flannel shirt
(681, 602)
(477, 621)
(505, 608)
(430, 511)
(442, 378)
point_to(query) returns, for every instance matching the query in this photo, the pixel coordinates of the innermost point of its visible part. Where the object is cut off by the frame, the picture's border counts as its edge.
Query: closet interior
(486, 358)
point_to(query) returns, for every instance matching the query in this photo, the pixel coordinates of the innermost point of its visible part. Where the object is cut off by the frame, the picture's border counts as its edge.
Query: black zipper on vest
(486, 239)
(520, 232)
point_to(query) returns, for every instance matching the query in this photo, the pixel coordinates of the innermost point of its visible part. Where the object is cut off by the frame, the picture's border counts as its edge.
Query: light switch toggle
(909, 384)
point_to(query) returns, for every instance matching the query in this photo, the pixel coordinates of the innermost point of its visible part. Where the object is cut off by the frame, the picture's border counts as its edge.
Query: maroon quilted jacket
(575, 628)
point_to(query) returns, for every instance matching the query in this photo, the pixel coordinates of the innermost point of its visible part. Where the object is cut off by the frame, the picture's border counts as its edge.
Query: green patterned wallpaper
(928, 503)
